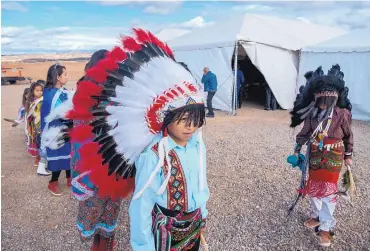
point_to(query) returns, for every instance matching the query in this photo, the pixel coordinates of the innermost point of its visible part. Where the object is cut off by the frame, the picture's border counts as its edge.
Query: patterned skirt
(325, 167)
(176, 231)
(33, 140)
(97, 216)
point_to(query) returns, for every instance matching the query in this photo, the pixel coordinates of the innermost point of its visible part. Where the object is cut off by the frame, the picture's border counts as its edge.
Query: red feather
(110, 185)
(156, 41)
(141, 36)
(117, 54)
(89, 88)
(108, 64)
(99, 174)
(87, 149)
(174, 93)
(191, 87)
(152, 37)
(170, 95)
(81, 133)
(162, 99)
(82, 101)
(98, 74)
(168, 51)
(122, 188)
(79, 114)
(131, 44)
(180, 90)
(91, 162)
(90, 158)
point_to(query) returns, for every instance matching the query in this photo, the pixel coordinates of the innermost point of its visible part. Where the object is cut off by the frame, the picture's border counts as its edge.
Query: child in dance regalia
(151, 133)
(324, 107)
(97, 216)
(33, 126)
(55, 94)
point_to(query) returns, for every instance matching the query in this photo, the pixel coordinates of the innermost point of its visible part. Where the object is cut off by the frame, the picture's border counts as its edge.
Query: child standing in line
(32, 126)
(55, 94)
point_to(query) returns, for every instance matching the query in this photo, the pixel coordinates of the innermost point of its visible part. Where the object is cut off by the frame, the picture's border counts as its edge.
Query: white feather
(136, 96)
(52, 137)
(201, 161)
(169, 166)
(61, 110)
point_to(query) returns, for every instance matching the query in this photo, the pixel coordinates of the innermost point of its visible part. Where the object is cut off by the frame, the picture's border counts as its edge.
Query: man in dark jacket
(210, 85)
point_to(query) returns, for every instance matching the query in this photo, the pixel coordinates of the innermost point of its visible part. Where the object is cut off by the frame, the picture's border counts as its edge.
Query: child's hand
(348, 162)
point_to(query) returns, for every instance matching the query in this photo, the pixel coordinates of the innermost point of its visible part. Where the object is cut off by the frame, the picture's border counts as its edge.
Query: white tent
(271, 43)
(352, 52)
(168, 34)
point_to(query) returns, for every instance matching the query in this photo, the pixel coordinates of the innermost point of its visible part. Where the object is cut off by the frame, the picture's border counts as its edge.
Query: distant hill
(47, 57)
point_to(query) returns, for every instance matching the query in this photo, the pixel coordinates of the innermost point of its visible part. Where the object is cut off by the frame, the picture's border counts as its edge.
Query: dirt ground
(39, 70)
(250, 182)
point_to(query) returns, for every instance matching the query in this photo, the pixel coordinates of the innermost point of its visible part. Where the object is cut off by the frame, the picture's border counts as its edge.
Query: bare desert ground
(250, 182)
(39, 70)
(35, 66)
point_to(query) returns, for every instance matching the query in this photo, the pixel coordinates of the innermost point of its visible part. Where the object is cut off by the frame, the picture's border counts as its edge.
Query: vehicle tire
(12, 82)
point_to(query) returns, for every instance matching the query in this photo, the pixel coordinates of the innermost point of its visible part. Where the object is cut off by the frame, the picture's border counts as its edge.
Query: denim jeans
(209, 102)
(270, 99)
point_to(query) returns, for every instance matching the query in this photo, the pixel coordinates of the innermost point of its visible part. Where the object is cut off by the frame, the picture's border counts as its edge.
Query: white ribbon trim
(59, 157)
(160, 163)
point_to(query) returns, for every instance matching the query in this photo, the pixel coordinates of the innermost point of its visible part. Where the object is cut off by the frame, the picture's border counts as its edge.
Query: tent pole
(235, 74)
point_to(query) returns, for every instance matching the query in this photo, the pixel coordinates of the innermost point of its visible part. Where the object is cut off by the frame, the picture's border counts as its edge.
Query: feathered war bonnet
(320, 89)
(142, 83)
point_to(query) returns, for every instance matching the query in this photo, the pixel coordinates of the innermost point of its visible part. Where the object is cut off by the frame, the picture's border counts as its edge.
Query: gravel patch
(251, 186)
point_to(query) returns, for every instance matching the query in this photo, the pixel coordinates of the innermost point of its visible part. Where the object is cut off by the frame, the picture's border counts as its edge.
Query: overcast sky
(79, 26)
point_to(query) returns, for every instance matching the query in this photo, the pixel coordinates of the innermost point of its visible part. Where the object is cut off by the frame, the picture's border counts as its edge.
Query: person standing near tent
(210, 86)
(270, 98)
(239, 86)
(325, 109)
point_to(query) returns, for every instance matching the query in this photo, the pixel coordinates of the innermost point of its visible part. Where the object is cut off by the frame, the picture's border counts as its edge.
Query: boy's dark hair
(31, 96)
(54, 71)
(25, 96)
(195, 115)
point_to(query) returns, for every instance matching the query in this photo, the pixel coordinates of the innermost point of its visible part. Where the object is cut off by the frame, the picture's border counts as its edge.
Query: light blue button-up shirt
(140, 211)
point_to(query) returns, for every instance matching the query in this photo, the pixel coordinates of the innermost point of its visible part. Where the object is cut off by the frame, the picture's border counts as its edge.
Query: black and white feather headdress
(320, 86)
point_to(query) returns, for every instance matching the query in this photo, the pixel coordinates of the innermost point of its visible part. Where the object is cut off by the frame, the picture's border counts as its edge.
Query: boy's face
(179, 132)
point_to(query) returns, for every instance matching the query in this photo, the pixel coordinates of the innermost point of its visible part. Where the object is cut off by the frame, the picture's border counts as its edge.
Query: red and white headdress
(141, 82)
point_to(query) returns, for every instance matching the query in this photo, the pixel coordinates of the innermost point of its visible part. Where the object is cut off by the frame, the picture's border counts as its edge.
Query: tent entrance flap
(253, 90)
(279, 68)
